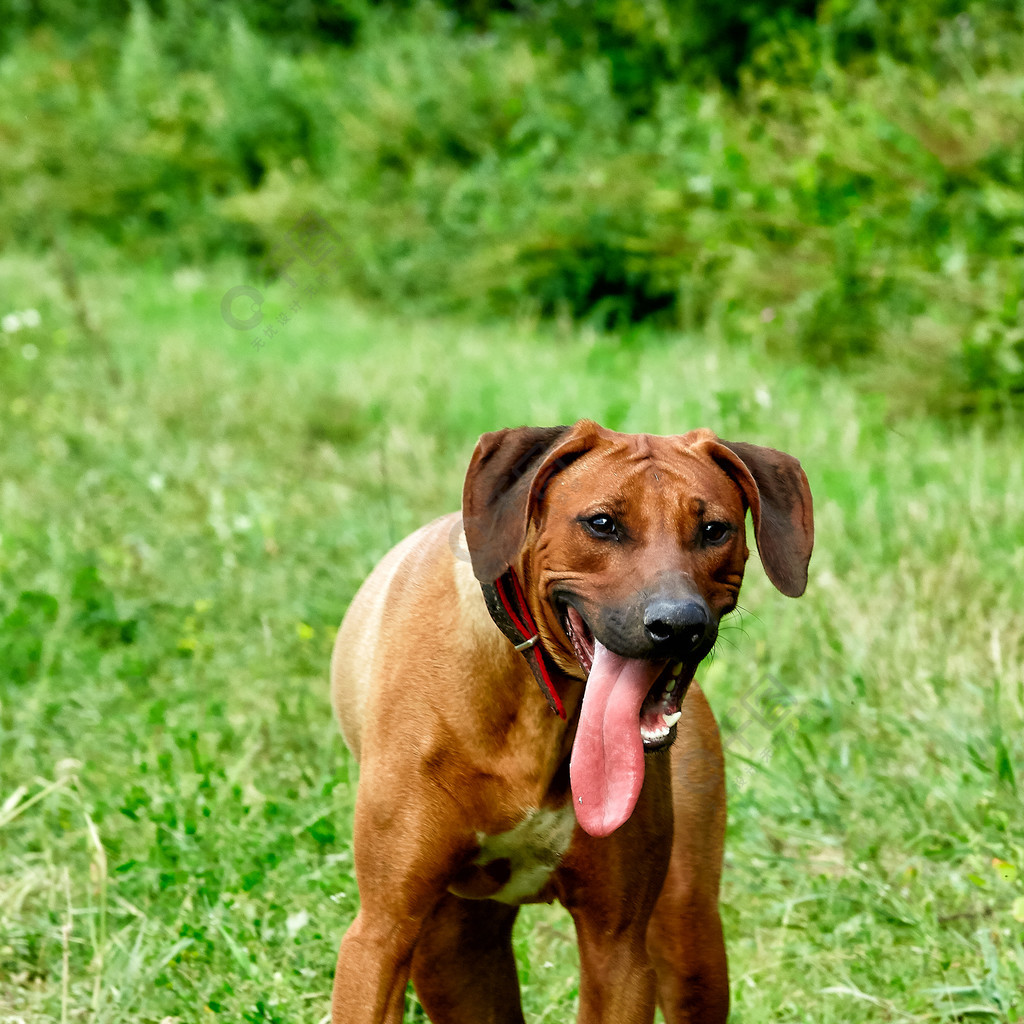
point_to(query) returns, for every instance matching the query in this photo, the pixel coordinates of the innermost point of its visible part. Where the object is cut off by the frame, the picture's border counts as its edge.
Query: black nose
(678, 627)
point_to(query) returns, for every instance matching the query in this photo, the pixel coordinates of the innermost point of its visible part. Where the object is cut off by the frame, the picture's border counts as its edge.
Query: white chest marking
(534, 849)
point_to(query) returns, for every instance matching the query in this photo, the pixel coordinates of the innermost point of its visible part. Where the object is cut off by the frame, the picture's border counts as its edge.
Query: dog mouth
(630, 708)
(660, 710)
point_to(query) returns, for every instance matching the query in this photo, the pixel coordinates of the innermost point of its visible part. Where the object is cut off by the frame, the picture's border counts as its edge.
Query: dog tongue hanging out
(608, 561)
(629, 707)
(607, 765)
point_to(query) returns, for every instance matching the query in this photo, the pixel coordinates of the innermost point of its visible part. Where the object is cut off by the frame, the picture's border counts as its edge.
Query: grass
(183, 519)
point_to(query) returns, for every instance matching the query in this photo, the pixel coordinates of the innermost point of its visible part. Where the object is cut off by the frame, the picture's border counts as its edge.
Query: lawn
(183, 518)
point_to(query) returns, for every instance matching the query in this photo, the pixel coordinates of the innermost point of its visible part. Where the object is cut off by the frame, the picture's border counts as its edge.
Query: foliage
(857, 187)
(295, 25)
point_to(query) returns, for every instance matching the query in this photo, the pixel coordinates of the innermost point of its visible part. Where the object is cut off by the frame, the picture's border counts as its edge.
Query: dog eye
(601, 526)
(715, 533)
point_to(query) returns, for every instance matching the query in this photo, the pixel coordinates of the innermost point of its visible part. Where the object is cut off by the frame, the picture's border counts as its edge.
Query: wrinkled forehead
(625, 470)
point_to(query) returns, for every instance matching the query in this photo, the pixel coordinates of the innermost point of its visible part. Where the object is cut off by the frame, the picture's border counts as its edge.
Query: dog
(599, 566)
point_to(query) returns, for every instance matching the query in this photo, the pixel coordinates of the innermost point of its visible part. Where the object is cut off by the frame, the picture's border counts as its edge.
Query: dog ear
(779, 497)
(505, 482)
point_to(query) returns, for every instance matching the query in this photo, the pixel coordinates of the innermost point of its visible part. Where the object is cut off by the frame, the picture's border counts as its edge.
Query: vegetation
(846, 178)
(799, 224)
(185, 517)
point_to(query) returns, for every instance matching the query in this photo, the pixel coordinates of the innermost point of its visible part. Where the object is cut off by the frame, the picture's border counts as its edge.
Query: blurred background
(843, 176)
(268, 270)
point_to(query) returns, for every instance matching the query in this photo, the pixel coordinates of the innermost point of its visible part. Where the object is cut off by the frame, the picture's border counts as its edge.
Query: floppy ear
(504, 483)
(779, 497)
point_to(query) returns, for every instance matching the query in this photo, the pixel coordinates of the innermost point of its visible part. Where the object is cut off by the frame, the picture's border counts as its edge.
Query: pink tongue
(607, 764)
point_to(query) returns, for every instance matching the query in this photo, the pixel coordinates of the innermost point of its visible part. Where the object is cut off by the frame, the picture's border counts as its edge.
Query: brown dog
(480, 791)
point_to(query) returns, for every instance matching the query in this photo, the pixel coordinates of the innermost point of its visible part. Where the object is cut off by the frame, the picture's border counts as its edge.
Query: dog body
(475, 797)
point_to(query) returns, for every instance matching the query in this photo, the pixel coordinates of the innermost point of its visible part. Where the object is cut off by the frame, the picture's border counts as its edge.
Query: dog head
(633, 548)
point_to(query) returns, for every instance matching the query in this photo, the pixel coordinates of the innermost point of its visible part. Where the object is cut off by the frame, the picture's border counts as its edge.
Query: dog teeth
(671, 720)
(668, 689)
(677, 669)
(654, 735)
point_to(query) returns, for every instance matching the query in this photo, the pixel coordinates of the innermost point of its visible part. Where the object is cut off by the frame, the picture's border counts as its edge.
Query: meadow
(184, 516)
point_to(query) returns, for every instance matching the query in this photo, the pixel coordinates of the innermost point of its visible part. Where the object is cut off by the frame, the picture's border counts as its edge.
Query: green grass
(183, 519)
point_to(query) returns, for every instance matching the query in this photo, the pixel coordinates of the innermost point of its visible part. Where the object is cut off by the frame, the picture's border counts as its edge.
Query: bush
(857, 184)
(139, 149)
(992, 362)
(296, 25)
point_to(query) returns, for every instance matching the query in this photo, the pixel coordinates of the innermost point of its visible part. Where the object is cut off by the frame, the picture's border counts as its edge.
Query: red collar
(507, 605)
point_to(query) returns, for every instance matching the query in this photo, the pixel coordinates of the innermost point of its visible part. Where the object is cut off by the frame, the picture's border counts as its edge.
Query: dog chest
(514, 866)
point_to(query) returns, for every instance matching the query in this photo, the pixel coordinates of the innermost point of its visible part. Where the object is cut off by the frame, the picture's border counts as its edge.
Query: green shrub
(296, 25)
(139, 149)
(992, 362)
(859, 187)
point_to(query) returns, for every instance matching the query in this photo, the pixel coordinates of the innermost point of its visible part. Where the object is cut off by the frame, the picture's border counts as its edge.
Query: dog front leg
(685, 934)
(401, 878)
(610, 887)
(373, 969)
(617, 981)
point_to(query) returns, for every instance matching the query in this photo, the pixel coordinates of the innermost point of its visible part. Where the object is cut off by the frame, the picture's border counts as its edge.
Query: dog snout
(677, 627)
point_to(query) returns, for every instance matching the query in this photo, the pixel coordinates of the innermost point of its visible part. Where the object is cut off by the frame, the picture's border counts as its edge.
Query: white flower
(11, 323)
(31, 318)
(296, 922)
(156, 482)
